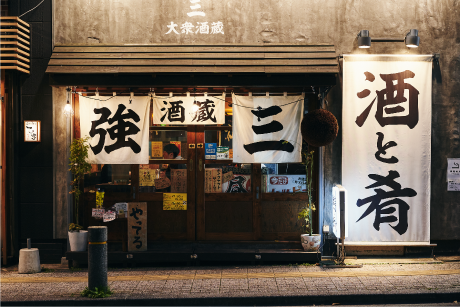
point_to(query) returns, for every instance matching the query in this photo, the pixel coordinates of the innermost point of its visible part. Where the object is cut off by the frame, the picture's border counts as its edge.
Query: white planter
(310, 243)
(78, 240)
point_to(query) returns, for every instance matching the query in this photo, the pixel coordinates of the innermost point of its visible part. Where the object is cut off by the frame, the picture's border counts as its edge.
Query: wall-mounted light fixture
(364, 40)
(411, 39)
(68, 107)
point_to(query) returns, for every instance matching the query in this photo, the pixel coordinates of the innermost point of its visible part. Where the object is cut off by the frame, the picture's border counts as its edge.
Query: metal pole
(97, 257)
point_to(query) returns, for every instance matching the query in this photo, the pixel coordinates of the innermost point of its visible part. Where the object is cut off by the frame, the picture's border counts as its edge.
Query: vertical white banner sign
(386, 156)
(118, 127)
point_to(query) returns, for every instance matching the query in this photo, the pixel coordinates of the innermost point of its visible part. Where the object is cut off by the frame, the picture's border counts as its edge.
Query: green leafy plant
(75, 227)
(305, 214)
(79, 167)
(97, 292)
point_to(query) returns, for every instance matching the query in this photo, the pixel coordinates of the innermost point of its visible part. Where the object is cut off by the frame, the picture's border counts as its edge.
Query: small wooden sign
(227, 177)
(179, 181)
(174, 201)
(162, 183)
(32, 131)
(137, 227)
(217, 180)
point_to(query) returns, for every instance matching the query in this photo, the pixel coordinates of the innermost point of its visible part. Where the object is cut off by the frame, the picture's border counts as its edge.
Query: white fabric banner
(267, 129)
(185, 111)
(386, 151)
(119, 130)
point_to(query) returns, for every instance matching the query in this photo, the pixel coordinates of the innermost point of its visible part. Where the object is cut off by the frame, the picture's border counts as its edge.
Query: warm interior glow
(412, 46)
(195, 108)
(364, 46)
(67, 108)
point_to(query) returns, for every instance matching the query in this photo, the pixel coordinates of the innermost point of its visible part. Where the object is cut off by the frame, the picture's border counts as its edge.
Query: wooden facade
(15, 44)
(263, 58)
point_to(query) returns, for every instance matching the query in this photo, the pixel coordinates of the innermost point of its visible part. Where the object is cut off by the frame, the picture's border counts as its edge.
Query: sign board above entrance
(189, 110)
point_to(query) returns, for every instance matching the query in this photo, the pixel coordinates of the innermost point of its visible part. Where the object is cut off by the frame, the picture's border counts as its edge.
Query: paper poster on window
(386, 147)
(453, 174)
(174, 201)
(178, 180)
(157, 150)
(267, 129)
(118, 128)
(197, 110)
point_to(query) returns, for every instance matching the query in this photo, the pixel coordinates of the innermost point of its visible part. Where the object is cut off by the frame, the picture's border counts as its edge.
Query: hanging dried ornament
(319, 128)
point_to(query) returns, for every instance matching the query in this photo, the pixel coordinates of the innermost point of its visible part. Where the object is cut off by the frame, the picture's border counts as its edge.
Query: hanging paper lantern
(319, 128)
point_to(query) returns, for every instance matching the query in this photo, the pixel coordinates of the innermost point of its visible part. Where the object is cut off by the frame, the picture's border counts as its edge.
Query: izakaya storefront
(209, 152)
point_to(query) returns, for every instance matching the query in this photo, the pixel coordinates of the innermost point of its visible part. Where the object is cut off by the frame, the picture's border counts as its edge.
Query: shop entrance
(226, 201)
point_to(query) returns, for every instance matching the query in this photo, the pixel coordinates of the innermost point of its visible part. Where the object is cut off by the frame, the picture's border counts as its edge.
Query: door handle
(190, 163)
(134, 192)
(201, 164)
(257, 193)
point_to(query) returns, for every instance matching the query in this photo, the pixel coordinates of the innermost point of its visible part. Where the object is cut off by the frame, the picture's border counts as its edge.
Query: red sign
(279, 180)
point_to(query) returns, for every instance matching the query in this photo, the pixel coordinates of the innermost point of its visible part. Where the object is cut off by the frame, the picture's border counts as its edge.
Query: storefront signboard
(189, 110)
(267, 129)
(137, 227)
(386, 154)
(118, 128)
(174, 201)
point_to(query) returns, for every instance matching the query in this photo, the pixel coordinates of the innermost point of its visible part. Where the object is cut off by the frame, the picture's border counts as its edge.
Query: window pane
(223, 141)
(109, 177)
(171, 178)
(168, 144)
(283, 178)
(228, 178)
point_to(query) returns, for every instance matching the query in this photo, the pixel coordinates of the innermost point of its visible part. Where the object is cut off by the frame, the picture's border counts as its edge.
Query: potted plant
(79, 167)
(310, 241)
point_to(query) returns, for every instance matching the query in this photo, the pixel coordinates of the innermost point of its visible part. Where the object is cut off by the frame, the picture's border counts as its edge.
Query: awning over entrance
(152, 59)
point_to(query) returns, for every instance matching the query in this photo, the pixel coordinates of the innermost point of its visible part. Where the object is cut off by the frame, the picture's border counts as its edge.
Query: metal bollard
(97, 257)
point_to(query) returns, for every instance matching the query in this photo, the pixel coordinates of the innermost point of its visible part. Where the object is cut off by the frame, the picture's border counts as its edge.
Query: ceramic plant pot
(78, 240)
(310, 243)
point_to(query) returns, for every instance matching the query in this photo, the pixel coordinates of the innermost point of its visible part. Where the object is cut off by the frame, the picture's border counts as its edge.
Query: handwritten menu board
(174, 201)
(178, 180)
(213, 180)
(137, 226)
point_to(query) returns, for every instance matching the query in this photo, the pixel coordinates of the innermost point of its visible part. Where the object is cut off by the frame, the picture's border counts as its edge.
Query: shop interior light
(364, 40)
(412, 39)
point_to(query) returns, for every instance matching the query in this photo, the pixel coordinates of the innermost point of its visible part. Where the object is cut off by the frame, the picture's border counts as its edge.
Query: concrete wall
(307, 22)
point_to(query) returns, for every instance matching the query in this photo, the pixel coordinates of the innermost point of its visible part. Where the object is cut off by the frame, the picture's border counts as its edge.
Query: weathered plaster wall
(306, 22)
(60, 164)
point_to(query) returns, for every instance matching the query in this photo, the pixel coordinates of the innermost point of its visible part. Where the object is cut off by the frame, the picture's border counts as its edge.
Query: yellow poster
(157, 150)
(147, 177)
(174, 201)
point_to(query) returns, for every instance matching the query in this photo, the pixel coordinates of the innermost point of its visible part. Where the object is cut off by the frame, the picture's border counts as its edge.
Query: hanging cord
(32, 9)
(90, 97)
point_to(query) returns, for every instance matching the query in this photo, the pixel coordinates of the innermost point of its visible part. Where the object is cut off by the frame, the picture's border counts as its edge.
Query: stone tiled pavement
(236, 281)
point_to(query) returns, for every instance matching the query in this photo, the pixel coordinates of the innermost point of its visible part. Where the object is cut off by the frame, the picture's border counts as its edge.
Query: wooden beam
(10, 24)
(15, 37)
(14, 55)
(15, 31)
(17, 68)
(16, 50)
(4, 167)
(14, 43)
(14, 62)
(15, 18)
(195, 49)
